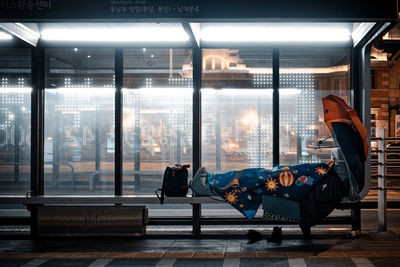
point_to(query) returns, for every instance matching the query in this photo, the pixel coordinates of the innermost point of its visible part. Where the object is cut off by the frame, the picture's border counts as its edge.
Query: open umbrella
(349, 164)
(336, 110)
(350, 135)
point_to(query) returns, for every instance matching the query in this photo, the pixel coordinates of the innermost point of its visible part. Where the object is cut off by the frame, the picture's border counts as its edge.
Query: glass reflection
(15, 120)
(79, 122)
(236, 109)
(157, 115)
(237, 128)
(307, 76)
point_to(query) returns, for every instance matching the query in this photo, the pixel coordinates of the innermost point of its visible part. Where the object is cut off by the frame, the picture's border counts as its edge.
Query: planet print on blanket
(302, 180)
(286, 178)
(244, 189)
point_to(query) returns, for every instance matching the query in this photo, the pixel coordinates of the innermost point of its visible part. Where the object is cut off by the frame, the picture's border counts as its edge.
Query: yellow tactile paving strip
(152, 255)
(209, 255)
(178, 255)
(272, 254)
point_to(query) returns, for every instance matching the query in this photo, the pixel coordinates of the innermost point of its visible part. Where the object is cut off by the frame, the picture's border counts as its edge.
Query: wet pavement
(213, 248)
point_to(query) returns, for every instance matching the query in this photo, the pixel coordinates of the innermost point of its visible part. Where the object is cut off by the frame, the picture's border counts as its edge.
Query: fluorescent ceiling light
(5, 36)
(274, 33)
(28, 30)
(116, 34)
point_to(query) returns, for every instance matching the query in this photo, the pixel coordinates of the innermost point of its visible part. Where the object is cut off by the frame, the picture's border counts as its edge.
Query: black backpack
(175, 182)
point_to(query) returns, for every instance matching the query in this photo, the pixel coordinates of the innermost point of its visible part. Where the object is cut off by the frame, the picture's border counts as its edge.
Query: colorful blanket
(243, 189)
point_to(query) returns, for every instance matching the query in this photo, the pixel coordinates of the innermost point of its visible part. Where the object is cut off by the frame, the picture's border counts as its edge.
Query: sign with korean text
(200, 10)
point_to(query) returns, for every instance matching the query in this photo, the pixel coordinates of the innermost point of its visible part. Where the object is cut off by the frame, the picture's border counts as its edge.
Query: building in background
(385, 84)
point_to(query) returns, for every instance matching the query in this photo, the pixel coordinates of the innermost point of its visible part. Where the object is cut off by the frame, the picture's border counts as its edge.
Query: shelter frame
(359, 72)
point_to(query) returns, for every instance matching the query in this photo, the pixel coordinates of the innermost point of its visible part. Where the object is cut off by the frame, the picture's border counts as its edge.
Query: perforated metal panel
(92, 220)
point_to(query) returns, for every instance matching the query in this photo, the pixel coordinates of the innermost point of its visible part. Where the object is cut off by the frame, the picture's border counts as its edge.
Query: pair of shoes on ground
(254, 236)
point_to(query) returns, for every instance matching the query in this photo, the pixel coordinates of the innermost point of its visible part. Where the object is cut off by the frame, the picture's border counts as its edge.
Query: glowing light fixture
(115, 34)
(274, 33)
(5, 36)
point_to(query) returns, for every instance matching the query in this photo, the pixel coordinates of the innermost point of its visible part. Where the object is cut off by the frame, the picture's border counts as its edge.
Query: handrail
(386, 152)
(385, 138)
(13, 163)
(98, 172)
(46, 163)
(67, 164)
(386, 189)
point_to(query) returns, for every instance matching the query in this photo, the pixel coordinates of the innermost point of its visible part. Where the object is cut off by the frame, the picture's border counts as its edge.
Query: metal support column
(382, 195)
(358, 93)
(356, 218)
(37, 130)
(275, 107)
(37, 120)
(197, 70)
(196, 217)
(355, 79)
(360, 85)
(119, 68)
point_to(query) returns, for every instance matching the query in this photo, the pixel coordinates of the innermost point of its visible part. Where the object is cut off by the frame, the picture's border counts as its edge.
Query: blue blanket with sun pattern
(243, 189)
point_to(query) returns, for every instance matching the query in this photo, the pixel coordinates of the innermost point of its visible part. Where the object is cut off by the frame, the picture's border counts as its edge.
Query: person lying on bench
(306, 192)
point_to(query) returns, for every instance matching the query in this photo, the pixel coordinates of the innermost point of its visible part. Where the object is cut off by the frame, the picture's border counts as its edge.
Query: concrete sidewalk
(371, 249)
(213, 248)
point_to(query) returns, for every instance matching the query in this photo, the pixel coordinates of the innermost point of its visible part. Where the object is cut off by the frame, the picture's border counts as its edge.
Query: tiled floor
(193, 262)
(332, 248)
(371, 249)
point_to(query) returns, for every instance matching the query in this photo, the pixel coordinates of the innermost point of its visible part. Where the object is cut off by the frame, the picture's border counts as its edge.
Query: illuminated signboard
(200, 10)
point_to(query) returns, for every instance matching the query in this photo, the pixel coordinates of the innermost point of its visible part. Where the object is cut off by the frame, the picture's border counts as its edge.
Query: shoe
(253, 236)
(306, 230)
(276, 235)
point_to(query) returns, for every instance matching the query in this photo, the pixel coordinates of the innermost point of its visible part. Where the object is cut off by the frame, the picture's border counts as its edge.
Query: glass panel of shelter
(79, 121)
(236, 109)
(306, 76)
(15, 120)
(157, 124)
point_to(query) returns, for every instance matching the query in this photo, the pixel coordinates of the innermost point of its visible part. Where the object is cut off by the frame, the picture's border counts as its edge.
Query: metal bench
(196, 220)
